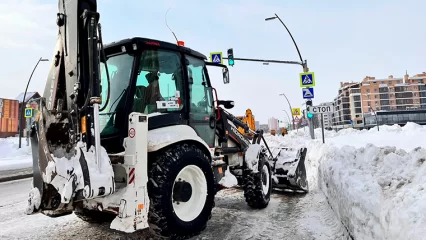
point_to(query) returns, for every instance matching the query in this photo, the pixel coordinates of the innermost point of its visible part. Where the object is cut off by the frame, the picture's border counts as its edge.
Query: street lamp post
(304, 63)
(375, 115)
(288, 116)
(282, 94)
(21, 111)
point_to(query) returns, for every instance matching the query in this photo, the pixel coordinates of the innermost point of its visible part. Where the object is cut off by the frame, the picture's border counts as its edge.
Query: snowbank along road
(288, 216)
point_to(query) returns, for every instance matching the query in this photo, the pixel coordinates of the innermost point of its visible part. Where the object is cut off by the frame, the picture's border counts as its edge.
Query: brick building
(355, 99)
(392, 93)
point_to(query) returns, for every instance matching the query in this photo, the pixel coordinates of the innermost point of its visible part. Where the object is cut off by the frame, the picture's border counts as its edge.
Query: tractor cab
(169, 82)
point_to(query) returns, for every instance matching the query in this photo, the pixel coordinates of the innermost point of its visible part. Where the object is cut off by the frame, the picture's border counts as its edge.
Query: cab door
(201, 108)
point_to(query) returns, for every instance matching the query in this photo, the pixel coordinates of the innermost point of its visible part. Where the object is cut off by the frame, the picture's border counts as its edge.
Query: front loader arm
(67, 126)
(258, 135)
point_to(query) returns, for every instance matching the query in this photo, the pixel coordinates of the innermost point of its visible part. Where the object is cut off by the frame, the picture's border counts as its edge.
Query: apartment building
(390, 94)
(273, 124)
(257, 124)
(348, 105)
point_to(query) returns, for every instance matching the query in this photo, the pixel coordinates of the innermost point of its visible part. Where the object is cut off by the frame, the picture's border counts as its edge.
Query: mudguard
(163, 137)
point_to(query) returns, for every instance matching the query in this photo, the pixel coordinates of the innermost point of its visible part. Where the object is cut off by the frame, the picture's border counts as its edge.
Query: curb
(16, 177)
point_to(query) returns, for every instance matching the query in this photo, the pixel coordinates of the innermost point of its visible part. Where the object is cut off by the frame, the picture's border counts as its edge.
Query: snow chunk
(286, 161)
(252, 157)
(34, 201)
(229, 180)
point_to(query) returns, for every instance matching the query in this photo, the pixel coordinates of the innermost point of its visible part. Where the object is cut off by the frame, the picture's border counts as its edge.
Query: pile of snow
(13, 157)
(374, 180)
(229, 180)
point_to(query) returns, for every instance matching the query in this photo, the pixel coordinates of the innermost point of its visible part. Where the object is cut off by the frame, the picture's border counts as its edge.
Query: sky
(341, 40)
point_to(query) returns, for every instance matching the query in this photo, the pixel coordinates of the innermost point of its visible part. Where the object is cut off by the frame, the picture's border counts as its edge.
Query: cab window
(119, 70)
(159, 85)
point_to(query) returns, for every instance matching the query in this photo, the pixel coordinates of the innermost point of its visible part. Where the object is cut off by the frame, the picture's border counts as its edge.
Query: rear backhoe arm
(68, 117)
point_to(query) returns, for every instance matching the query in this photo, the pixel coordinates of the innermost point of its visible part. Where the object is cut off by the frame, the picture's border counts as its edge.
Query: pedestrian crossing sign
(28, 112)
(216, 57)
(307, 79)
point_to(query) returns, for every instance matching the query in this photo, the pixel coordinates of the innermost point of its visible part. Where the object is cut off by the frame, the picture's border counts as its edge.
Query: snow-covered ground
(374, 180)
(13, 157)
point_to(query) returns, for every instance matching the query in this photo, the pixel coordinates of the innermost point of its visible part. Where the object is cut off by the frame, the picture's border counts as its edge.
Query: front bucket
(290, 170)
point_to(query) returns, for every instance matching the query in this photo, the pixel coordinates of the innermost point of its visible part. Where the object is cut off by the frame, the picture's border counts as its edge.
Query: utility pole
(310, 119)
(304, 64)
(21, 110)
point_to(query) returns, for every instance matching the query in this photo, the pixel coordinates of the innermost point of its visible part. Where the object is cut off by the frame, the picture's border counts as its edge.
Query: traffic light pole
(322, 127)
(268, 61)
(310, 120)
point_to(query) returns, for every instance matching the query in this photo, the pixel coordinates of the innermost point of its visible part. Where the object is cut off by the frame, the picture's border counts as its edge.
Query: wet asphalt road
(289, 216)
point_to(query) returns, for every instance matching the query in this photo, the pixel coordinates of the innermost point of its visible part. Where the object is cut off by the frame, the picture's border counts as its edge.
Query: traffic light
(309, 114)
(231, 57)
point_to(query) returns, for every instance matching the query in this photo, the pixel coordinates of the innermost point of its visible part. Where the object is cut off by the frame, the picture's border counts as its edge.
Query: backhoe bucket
(290, 171)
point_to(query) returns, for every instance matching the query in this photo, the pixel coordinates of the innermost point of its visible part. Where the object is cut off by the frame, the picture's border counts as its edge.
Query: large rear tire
(181, 190)
(258, 185)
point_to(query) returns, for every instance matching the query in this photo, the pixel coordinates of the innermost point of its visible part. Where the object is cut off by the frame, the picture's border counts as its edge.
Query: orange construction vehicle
(284, 131)
(248, 119)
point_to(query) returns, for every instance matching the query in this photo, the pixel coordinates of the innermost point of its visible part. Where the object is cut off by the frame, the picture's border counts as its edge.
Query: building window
(368, 90)
(375, 90)
(415, 94)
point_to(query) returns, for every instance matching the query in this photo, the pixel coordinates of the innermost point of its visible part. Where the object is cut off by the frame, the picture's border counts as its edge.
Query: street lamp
(304, 63)
(21, 112)
(288, 116)
(375, 115)
(282, 94)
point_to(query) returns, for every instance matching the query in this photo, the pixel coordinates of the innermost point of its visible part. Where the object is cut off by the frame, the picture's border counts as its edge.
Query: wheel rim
(186, 207)
(265, 179)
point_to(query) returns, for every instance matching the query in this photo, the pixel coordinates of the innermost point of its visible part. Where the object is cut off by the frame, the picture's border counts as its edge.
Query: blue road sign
(307, 79)
(351, 121)
(308, 93)
(216, 57)
(28, 112)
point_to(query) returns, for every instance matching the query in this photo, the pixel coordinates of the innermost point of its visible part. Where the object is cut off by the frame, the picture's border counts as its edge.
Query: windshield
(119, 69)
(159, 85)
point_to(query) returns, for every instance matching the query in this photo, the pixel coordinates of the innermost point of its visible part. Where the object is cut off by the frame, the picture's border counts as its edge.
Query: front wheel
(258, 184)
(182, 190)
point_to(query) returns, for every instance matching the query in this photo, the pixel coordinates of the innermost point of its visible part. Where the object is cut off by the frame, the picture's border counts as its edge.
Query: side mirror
(226, 104)
(225, 74)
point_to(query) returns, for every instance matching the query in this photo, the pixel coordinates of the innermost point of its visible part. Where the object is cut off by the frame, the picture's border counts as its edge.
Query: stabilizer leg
(134, 204)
